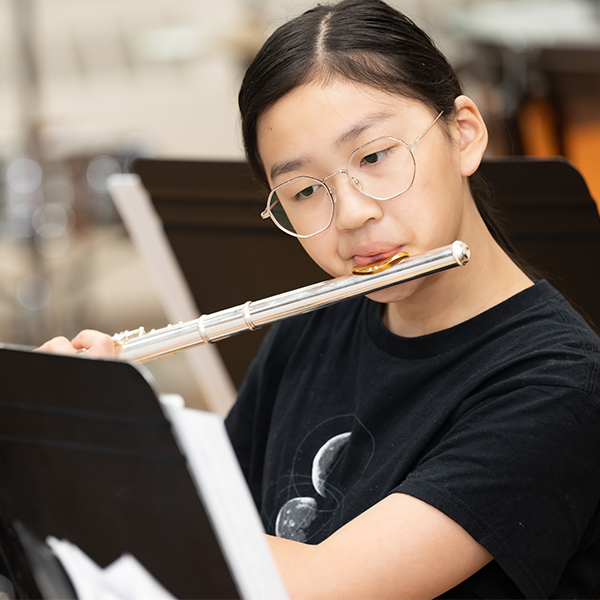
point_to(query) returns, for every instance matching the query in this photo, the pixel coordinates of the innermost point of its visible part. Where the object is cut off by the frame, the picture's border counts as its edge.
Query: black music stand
(553, 222)
(86, 454)
(211, 215)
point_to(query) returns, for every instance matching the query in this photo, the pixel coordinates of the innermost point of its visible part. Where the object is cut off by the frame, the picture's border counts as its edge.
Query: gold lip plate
(380, 265)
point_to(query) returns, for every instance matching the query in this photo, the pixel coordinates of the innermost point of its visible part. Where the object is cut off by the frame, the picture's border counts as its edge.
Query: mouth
(377, 256)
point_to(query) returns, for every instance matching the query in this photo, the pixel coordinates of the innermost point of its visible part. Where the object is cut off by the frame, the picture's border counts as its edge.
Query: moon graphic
(325, 459)
(295, 517)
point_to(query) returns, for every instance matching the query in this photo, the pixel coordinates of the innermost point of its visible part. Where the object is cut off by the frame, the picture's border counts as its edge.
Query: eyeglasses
(382, 169)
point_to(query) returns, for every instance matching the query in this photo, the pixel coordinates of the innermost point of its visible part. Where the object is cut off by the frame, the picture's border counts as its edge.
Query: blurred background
(86, 86)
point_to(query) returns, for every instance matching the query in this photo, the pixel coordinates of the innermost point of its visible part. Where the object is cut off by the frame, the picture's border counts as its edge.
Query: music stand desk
(88, 455)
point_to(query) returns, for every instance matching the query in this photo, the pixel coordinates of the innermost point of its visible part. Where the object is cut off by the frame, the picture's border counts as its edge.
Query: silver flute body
(141, 346)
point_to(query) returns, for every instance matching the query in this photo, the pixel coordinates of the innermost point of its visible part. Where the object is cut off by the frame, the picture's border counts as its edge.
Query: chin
(396, 293)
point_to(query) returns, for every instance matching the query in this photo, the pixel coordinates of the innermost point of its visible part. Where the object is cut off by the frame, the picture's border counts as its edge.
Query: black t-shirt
(495, 422)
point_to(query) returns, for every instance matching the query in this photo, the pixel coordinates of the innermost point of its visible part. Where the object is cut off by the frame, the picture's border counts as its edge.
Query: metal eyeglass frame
(266, 213)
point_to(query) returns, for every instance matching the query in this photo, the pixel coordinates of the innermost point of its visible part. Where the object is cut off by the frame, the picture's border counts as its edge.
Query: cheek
(440, 199)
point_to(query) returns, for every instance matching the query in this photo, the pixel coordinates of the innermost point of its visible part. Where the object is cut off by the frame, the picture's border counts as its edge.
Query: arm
(97, 344)
(400, 548)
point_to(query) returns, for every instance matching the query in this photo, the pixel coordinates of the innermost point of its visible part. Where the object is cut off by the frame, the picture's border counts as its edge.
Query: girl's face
(313, 131)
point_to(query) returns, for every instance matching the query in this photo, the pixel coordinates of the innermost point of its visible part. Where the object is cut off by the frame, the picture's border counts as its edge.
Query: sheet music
(221, 485)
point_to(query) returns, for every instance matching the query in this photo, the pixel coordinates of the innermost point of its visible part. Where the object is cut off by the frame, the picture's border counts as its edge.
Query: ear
(473, 135)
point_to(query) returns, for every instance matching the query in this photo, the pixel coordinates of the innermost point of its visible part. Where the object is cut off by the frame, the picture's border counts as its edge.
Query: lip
(369, 254)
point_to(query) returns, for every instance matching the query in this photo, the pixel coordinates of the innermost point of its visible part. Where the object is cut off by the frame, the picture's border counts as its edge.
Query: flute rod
(141, 346)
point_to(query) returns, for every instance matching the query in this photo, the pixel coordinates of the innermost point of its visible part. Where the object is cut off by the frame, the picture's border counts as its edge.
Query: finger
(97, 344)
(57, 345)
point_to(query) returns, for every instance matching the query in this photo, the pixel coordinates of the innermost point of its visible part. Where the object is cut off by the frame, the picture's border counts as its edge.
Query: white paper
(229, 504)
(124, 579)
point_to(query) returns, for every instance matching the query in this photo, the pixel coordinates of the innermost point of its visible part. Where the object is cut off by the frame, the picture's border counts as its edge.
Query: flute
(141, 346)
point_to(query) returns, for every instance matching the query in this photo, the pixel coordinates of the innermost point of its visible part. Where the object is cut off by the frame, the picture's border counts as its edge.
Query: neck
(446, 299)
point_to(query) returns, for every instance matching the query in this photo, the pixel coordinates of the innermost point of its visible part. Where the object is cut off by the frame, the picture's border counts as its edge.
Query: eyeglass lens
(381, 169)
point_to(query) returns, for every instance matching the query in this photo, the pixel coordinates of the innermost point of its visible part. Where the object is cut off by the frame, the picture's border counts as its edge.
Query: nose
(352, 209)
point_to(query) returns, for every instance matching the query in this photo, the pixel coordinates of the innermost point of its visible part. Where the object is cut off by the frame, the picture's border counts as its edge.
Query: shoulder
(563, 329)
(537, 333)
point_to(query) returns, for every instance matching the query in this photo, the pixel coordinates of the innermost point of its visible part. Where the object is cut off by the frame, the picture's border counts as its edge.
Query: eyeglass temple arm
(423, 134)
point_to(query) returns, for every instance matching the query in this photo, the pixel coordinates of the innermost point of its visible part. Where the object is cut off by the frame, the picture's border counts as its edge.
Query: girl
(439, 438)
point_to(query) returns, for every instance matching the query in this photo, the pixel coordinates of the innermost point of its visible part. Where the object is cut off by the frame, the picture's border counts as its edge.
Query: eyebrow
(362, 126)
(288, 166)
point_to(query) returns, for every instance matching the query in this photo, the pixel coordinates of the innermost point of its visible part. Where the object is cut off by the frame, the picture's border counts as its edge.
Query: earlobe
(473, 135)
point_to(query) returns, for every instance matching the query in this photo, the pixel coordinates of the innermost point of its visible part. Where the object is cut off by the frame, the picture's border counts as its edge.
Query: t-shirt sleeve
(516, 472)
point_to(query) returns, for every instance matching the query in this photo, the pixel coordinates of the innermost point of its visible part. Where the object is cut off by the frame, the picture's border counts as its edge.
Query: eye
(374, 157)
(306, 192)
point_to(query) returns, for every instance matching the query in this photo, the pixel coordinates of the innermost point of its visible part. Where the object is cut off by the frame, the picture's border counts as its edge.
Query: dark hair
(365, 41)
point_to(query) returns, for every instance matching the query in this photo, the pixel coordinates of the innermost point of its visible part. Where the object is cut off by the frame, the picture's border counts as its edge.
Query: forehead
(317, 120)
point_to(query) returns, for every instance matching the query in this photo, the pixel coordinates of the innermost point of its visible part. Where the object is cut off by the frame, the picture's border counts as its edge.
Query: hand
(94, 344)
